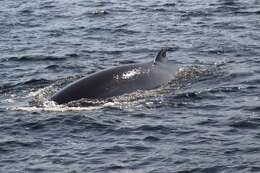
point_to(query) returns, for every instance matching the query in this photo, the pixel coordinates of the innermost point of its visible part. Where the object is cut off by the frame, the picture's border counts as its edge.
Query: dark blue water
(205, 121)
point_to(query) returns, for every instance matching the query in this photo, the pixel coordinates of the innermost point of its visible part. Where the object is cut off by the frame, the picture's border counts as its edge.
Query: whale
(119, 80)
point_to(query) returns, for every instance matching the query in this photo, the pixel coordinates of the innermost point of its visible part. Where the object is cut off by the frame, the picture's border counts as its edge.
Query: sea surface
(207, 120)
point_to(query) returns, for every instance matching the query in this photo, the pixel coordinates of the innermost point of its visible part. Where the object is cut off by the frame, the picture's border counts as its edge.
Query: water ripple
(205, 120)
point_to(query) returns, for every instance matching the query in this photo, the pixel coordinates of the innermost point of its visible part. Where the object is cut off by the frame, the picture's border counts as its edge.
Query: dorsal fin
(161, 56)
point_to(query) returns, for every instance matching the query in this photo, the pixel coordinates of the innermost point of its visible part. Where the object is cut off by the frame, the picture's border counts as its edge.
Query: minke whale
(120, 80)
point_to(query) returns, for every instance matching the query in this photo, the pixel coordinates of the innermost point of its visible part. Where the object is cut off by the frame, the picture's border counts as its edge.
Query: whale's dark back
(119, 80)
(114, 82)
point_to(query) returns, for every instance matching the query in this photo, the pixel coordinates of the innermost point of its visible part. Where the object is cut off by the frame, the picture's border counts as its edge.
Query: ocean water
(207, 120)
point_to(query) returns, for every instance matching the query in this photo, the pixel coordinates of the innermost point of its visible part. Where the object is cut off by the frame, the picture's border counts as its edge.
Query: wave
(33, 58)
(32, 83)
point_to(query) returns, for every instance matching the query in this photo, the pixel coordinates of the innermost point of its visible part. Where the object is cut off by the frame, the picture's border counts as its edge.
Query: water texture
(205, 121)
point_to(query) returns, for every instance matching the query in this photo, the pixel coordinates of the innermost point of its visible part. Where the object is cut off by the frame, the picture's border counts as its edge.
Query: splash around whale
(119, 80)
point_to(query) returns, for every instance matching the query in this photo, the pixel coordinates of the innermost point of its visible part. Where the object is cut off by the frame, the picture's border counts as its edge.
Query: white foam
(51, 106)
(55, 109)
